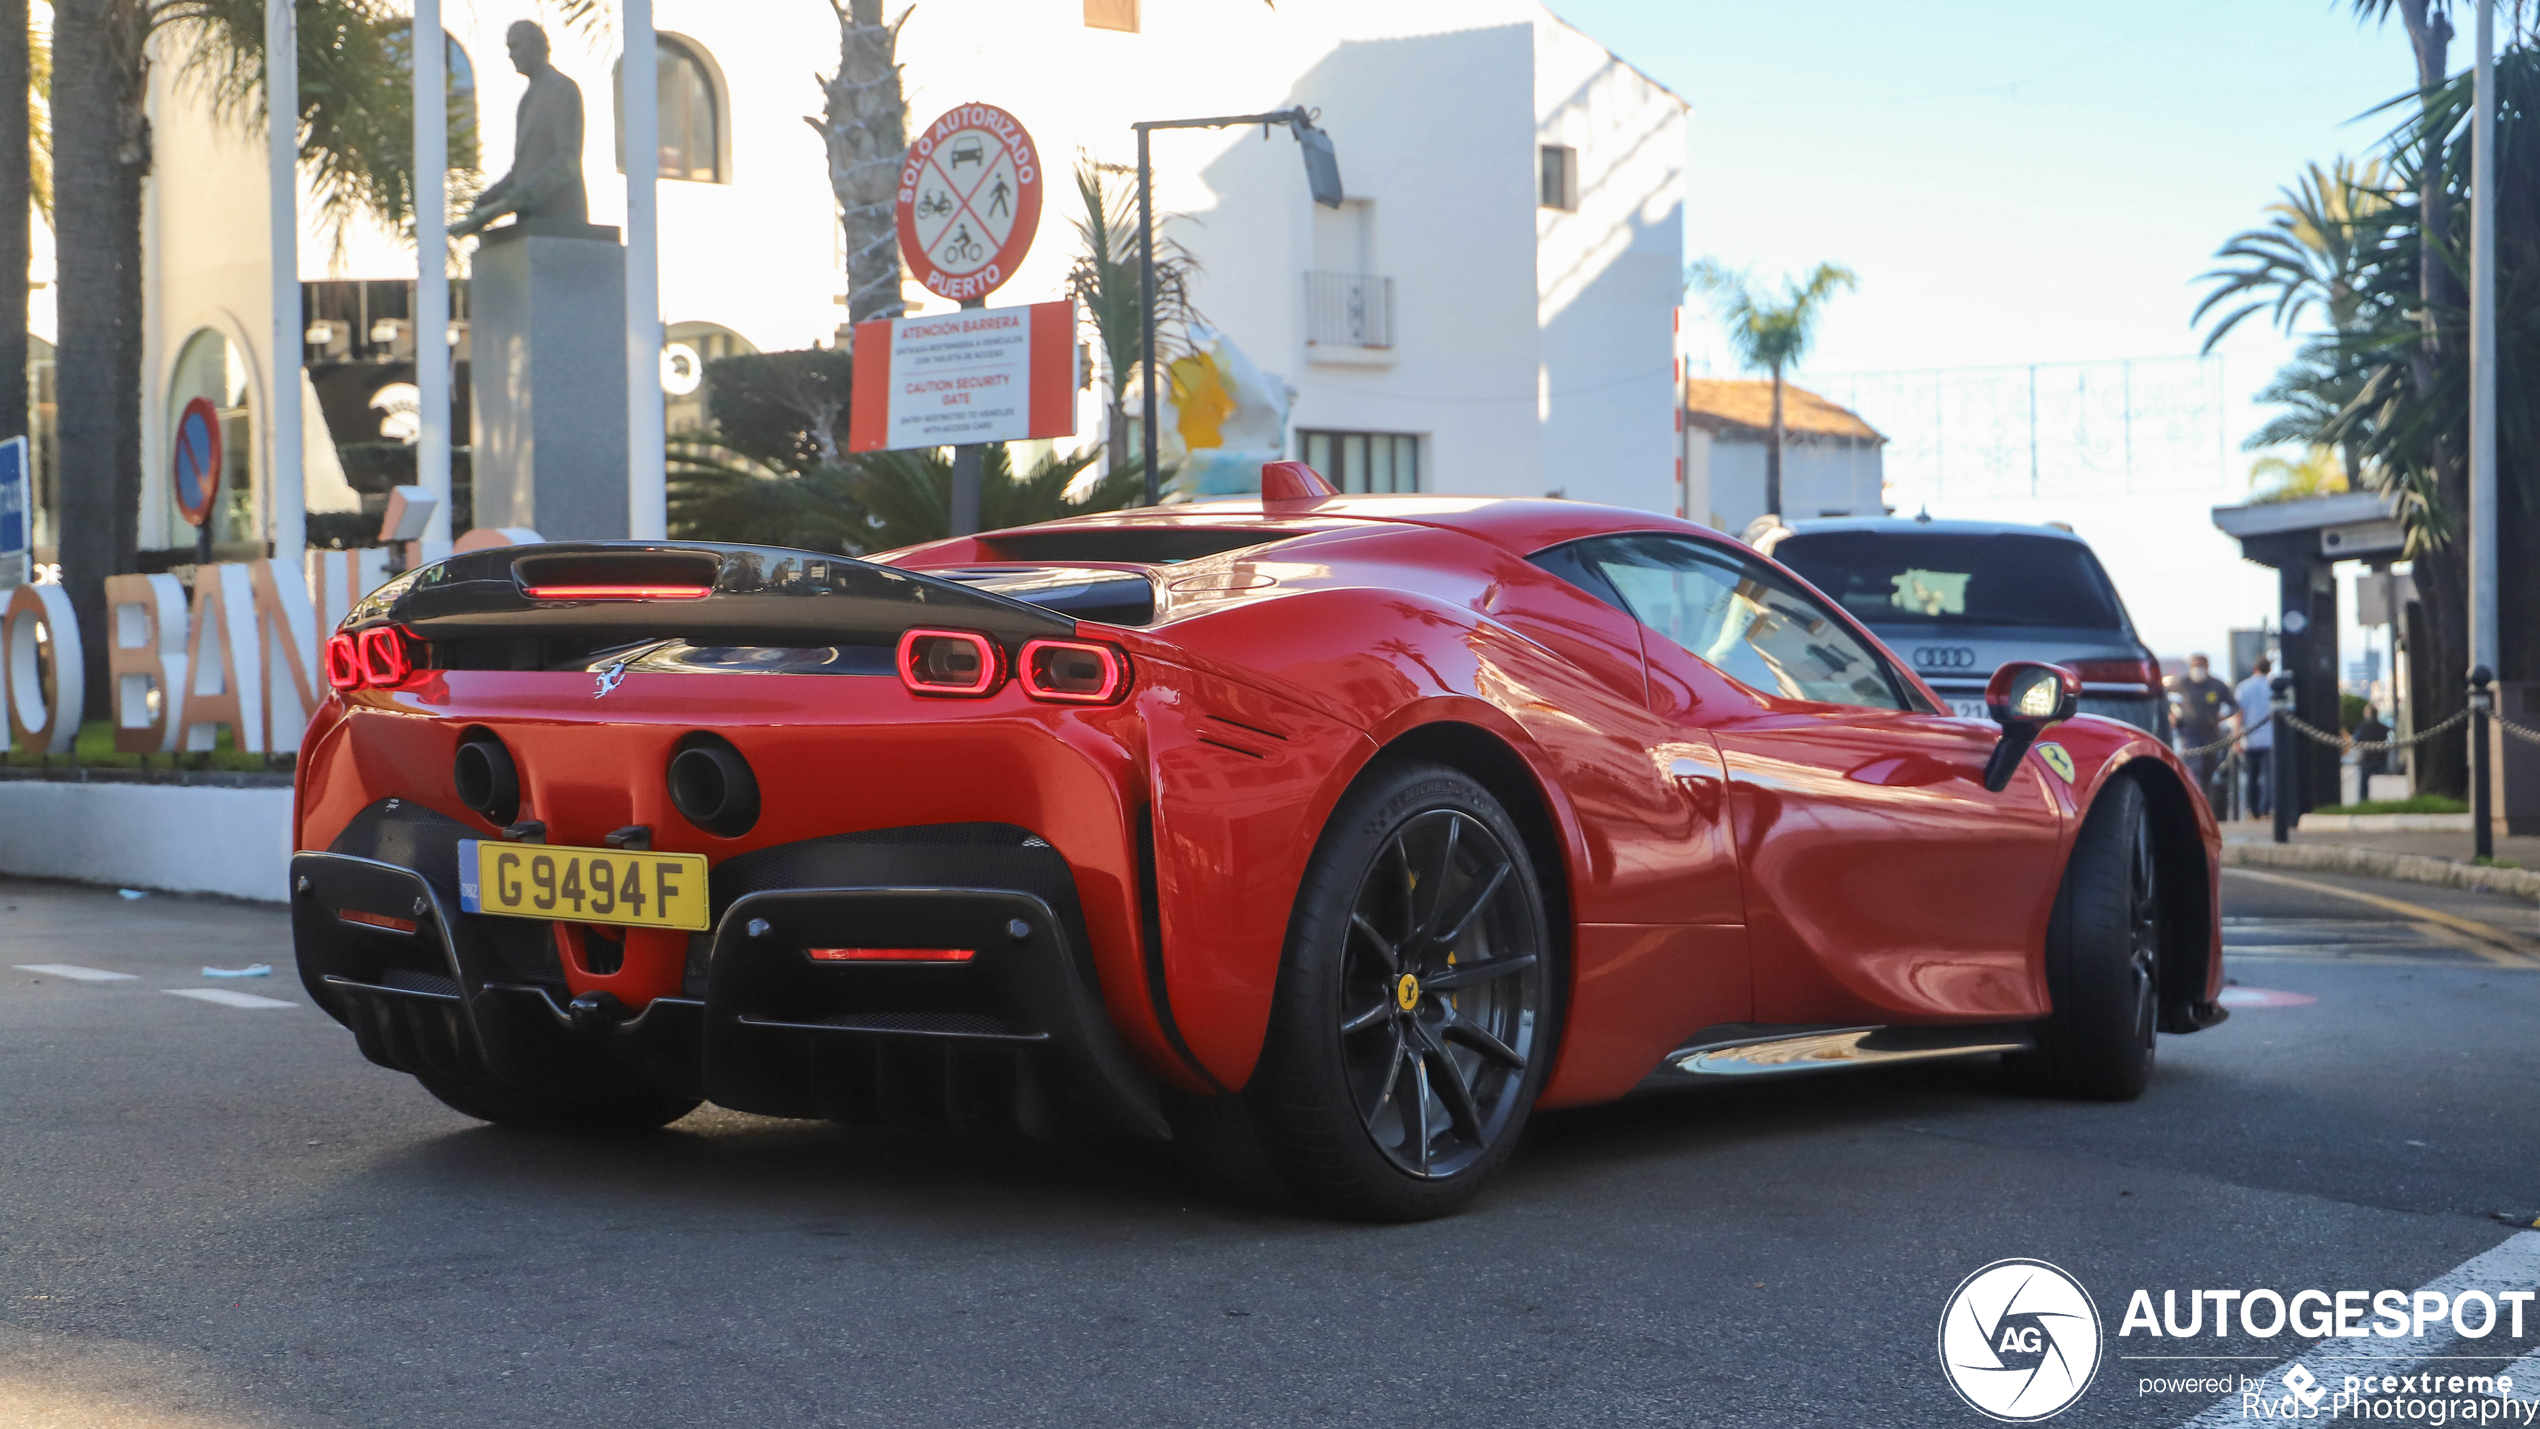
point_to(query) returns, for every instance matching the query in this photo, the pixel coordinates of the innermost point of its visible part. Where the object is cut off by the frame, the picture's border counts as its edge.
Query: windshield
(1886, 578)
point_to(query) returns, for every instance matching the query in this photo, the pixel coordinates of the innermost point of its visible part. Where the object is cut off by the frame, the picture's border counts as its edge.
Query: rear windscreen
(1887, 578)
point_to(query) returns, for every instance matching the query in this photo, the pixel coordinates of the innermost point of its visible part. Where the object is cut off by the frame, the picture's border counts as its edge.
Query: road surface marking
(2514, 1265)
(2493, 943)
(225, 997)
(76, 973)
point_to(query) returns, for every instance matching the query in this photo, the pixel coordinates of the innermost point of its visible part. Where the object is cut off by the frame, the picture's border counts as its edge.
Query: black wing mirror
(2024, 697)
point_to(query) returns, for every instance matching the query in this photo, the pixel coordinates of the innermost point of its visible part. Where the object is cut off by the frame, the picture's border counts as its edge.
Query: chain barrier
(2527, 736)
(2342, 742)
(2225, 742)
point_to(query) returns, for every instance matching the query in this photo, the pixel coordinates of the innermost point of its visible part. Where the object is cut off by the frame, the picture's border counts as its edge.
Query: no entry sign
(982, 375)
(969, 201)
(198, 459)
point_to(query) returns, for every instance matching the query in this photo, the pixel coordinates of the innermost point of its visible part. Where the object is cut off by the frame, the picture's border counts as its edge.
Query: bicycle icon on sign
(935, 205)
(962, 248)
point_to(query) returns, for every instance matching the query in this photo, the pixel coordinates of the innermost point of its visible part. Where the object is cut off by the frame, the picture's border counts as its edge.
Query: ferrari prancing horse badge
(2057, 760)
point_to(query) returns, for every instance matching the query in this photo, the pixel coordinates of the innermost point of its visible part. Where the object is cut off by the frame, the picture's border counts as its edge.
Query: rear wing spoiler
(602, 593)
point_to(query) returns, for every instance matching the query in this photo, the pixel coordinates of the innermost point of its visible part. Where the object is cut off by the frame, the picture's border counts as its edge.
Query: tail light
(618, 592)
(387, 657)
(950, 662)
(343, 662)
(1073, 672)
(2145, 673)
(892, 955)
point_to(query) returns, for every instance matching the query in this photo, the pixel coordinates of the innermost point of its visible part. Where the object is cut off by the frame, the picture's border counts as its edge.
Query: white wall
(1819, 478)
(176, 839)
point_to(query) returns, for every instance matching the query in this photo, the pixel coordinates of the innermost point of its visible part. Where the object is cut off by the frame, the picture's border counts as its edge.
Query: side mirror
(2024, 697)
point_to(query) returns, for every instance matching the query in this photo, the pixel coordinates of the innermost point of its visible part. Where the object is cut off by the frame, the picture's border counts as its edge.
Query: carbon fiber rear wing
(597, 594)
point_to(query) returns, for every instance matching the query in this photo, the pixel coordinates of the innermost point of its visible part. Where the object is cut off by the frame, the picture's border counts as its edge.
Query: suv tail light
(387, 657)
(2145, 674)
(950, 662)
(1073, 672)
(343, 662)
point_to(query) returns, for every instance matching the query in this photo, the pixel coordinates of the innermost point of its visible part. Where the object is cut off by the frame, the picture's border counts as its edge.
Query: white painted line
(75, 973)
(226, 998)
(2526, 1377)
(2514, 1265)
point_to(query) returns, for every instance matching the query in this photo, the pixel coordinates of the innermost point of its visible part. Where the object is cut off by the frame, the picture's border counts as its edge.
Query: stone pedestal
(547, 333)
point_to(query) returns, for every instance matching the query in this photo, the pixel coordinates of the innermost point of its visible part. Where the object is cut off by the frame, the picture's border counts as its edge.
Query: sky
(2018, 183)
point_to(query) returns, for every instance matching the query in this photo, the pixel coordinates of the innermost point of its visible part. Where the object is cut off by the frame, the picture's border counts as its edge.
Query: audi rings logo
(2019, 1341)
(1944, 657)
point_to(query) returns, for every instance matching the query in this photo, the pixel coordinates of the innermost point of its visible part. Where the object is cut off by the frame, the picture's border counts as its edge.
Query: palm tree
(1770, 334)
(25, 186)
(864, 122)
(2315, 252)
(1104, 282)
(875, 501)
(2317, 472)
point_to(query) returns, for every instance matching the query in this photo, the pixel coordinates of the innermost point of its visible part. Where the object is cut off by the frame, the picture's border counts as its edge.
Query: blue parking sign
(17, 513)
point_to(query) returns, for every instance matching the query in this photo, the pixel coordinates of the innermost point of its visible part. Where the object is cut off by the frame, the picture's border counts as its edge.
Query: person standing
(2203, 703)
(2370, 730)
(2254, 698)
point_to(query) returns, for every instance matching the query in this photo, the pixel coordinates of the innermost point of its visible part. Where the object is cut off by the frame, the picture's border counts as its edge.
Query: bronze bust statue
(546, 177)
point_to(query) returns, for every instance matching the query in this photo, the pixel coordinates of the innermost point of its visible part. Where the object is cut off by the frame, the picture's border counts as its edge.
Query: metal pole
(2482, 700)
(285, 497)
(647, 494)
(2484, 645)
(1146, 317)
(965, 469)
(432, 272)
(2280, 798)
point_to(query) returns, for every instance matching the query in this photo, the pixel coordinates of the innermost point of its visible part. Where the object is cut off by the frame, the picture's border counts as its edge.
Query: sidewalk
(2417, 856)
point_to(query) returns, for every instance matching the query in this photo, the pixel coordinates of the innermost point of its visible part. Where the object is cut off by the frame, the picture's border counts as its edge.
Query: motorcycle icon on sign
(963, 248)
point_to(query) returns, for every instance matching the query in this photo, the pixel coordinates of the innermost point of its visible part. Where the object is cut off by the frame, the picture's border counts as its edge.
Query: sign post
(969, 205)
(197, 470)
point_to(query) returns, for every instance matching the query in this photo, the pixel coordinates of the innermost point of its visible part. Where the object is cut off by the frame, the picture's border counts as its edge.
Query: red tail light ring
(387, 657)
(1073, 672)
(343, 662)
(950, 662)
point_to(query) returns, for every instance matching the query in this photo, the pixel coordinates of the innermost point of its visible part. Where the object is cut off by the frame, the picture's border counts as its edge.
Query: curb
(2373, 863)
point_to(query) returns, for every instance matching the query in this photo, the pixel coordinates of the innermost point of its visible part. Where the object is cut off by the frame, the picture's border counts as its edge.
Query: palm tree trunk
(101, 149)
(1773, 453)
(864, 122)
(16, 212)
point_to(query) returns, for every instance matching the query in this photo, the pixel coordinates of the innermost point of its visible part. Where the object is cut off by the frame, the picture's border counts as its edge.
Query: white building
(1512, 239)
(1831, 463)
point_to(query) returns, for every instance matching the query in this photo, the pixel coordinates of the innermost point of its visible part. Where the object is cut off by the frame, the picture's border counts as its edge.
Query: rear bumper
(1014, 1039)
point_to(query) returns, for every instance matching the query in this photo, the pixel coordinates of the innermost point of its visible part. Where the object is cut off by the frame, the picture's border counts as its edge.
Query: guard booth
(2304, 540)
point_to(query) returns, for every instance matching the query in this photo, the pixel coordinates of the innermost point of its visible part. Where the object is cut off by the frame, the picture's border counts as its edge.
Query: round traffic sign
(970, 201)
(198, 460)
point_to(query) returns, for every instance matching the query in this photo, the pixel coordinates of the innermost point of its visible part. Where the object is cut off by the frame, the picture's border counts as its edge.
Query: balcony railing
(1348, 310)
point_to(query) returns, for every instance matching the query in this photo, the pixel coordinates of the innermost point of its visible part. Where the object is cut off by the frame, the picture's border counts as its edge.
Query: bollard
(2482, 702)
(2280, 753)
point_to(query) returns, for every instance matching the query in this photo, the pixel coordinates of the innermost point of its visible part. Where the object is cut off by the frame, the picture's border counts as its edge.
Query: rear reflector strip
(376, 920)
(892, 955)
(619, 592)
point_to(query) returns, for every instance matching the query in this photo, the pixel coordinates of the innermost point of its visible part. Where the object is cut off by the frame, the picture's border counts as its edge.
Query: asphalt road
(213, 1215)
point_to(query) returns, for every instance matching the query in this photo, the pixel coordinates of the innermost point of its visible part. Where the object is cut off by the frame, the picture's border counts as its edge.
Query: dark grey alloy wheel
(2103, 958)
(1414, 1019)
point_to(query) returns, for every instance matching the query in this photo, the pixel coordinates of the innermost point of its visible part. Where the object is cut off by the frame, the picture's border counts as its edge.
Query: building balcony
(1349, 318)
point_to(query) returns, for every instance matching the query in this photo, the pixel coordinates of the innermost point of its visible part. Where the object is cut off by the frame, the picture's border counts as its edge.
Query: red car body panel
(1720, 856)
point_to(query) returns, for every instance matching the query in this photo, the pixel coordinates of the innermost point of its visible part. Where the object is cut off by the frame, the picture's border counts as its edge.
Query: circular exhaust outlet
(712, 787)
(487, 780)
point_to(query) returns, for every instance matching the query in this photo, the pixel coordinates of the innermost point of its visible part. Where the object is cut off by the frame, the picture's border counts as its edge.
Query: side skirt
(1753, 1050)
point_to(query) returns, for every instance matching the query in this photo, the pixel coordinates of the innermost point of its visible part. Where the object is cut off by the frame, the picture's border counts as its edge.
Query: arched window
(458, 81)
(210, 366)
(689, 113)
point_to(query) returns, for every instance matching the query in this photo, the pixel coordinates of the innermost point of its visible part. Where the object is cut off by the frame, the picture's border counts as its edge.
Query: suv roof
(1924, 526)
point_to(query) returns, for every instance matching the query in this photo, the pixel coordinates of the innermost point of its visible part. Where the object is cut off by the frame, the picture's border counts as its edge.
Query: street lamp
(1322, 175)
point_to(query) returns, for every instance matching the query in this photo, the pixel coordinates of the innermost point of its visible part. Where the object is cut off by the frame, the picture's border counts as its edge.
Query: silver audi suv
(1956, 599)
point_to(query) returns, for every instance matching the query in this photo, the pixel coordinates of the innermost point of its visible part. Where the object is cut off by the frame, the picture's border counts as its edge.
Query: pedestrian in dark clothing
(2370, 730)
(2201, 703)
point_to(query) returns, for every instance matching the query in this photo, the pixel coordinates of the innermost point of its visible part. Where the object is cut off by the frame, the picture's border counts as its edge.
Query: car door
(1883, 882)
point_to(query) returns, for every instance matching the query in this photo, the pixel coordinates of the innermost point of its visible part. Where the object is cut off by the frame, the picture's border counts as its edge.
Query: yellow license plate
(584, 885)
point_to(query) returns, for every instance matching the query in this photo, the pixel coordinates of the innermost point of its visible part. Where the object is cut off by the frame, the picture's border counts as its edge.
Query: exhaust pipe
(712, 787)
(487, 780)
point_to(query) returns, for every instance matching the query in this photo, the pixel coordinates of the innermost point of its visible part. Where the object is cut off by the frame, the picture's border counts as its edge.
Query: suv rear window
(1893, 578)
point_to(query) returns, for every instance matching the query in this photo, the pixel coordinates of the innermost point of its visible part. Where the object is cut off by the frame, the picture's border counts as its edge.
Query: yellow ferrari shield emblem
(1406, 993)
(2057, 760)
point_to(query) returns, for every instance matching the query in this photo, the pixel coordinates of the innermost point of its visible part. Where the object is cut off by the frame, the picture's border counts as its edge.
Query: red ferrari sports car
(1331, 835)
